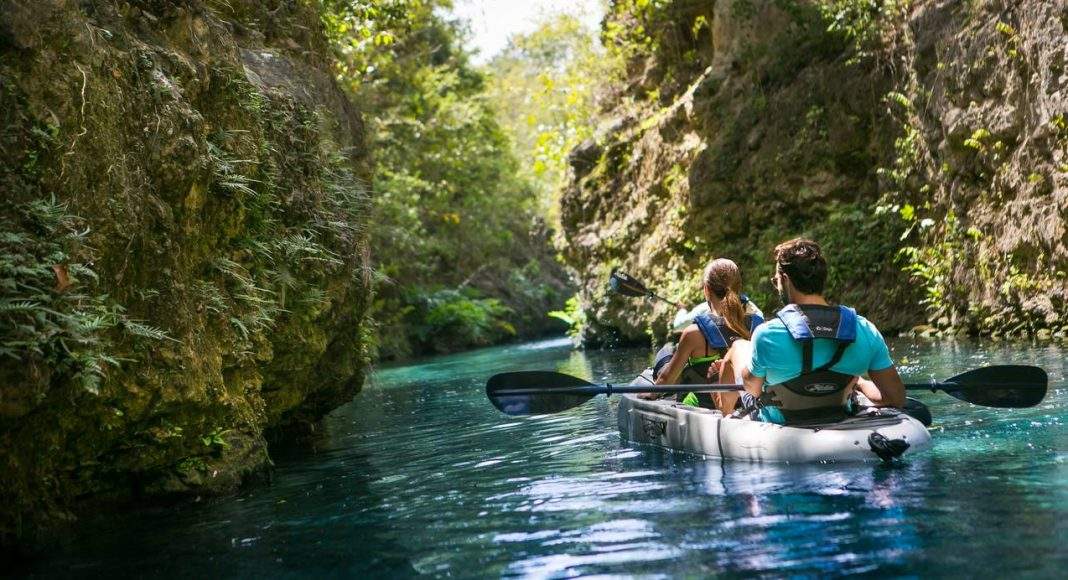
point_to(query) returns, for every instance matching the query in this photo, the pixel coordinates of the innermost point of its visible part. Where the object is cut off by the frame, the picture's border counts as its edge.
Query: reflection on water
(420, 475)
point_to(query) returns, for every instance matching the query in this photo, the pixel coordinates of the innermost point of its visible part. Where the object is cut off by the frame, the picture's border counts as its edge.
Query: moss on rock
(765, 120)
(208, 277)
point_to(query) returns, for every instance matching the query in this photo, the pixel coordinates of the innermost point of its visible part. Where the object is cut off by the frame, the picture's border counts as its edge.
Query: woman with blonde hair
(731, 317)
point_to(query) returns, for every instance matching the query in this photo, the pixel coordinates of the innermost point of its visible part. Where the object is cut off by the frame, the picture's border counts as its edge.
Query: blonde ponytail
(734, 313)
(724, 280)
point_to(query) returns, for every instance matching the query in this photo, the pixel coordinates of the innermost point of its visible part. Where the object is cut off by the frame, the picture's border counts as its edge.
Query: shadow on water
(320, 517)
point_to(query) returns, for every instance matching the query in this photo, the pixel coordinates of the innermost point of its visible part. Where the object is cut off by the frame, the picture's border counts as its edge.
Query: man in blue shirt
(841, 346)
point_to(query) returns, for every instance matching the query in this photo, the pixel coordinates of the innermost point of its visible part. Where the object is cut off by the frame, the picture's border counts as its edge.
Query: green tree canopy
(462, 256)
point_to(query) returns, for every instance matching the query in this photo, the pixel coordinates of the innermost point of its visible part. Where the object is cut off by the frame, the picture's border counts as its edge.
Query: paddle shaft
(610, 389)
(656, 296)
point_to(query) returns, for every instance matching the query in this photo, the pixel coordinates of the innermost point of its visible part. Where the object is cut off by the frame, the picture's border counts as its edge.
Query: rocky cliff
(924, 144)
(182, 248)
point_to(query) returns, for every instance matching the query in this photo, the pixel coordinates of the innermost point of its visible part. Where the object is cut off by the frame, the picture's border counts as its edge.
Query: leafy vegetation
(545, 85)
(836, 122)
(182, 247)
(573, 316)
(462, 253)
(50, 314)
(456, 317)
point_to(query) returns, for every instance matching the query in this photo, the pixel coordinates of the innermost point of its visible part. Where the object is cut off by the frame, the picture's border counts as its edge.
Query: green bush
(455, 320)
(573, 315)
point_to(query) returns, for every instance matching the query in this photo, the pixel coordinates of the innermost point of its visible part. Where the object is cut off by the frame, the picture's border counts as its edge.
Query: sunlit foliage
(546, 84)
(455, 228)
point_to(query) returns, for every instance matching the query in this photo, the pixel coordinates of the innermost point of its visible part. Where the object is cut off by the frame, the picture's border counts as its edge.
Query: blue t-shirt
(777, 356)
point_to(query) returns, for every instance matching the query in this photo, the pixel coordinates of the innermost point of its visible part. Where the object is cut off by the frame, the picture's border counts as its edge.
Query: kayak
(873, 434)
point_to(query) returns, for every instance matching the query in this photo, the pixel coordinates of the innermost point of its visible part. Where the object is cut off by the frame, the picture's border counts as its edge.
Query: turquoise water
(420, 475)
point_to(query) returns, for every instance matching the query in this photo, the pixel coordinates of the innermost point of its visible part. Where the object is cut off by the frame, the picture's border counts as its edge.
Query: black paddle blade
(917, 410)
(500, 389)
(622, 283)
(1004, 386)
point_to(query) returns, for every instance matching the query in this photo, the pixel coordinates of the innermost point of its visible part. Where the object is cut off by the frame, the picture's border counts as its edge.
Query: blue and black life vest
(817, 394)
(718, 336)
(718, 339)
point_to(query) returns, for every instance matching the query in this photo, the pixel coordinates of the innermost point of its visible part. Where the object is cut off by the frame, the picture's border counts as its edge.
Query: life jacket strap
(810, 322)
(837, 356)
(716, 332)
(806, 357)
(710, 329)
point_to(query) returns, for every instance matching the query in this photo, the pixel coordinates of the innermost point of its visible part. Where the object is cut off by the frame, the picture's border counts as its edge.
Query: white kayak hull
(672, 425)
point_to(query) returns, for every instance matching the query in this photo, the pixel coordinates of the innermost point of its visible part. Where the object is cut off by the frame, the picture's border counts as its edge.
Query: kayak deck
(672, 425)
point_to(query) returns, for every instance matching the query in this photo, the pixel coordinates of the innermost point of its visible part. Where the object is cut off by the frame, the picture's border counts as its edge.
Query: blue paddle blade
(1004, 386)
(547, 392)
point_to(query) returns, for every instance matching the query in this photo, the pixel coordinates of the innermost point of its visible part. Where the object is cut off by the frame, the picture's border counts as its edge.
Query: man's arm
(885, 388)
(753, 370)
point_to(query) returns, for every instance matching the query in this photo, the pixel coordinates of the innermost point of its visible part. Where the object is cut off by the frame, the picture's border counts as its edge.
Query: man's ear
(788, 286)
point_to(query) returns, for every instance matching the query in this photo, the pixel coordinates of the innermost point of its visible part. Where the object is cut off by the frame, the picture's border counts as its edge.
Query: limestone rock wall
(924, 147)
(182, 247)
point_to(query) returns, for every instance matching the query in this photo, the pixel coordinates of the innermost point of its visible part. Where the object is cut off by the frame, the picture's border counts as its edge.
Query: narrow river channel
(421, 475)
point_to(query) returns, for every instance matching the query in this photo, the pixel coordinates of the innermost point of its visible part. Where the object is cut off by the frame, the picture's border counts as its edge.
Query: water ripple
(419, 475)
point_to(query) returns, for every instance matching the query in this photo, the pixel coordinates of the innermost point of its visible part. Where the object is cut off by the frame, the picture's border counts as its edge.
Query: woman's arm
(730, 371)
(689, 344)
(689, 341)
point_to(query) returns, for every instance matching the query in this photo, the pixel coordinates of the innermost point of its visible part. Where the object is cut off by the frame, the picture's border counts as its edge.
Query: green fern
(226, 173)
(136, 328)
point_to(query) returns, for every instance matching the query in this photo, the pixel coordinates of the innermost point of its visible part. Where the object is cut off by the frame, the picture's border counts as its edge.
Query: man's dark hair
(802, 260)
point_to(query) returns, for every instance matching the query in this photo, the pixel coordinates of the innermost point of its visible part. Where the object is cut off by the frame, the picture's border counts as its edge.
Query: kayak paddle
(543, 392)
(623, 283)
(1002, 386)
